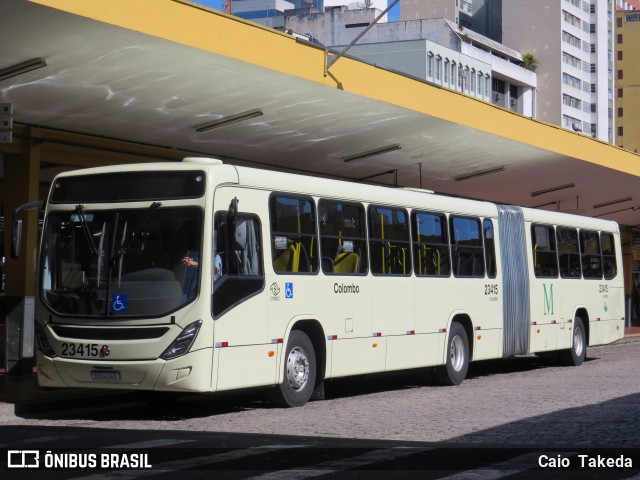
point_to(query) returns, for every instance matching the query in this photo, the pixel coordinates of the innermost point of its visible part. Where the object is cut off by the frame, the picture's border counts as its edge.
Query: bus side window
(430, 244)
(608, 255)
(467, 255)
(568, 253)
(591, 260)
(294, 243)
(343, 241)
(389, 247)
(545, 257)
(238, 252)
(489, 247)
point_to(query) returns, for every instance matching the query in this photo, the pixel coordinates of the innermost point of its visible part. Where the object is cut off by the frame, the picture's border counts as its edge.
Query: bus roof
(330, 188)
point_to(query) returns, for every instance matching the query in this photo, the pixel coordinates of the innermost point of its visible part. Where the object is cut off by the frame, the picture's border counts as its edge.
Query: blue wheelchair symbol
(119, 303)
(288, 290)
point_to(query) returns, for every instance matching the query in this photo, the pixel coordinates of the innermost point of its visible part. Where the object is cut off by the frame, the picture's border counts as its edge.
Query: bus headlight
(43, 343)
(183, 342)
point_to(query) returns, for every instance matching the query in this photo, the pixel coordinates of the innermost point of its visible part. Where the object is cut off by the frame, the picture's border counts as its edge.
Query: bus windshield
(115, 263)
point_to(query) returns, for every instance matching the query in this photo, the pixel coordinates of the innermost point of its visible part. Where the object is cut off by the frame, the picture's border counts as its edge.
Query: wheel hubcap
(456, 353)
(578, 342)
(297, 368)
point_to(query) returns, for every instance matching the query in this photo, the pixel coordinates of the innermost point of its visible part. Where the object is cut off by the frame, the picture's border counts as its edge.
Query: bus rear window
(128, 187)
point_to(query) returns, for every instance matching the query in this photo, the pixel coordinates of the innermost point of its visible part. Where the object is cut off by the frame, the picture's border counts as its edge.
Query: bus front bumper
(188, 373)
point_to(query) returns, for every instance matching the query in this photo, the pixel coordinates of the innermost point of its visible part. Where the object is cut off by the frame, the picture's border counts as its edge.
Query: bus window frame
(415, 242)
(493, 253)
(316, 233)
(533, 249)
(407, 242)
(614, 256)
(480, 248)
(599, 255)
(365, 238)
(227, 281)
(578, 252)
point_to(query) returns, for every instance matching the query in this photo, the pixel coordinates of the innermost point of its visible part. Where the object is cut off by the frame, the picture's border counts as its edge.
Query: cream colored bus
(205, 277)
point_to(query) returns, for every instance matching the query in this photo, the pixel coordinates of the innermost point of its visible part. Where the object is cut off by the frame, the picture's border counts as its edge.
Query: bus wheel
(454, 371)
(299, 372)
(575, 355)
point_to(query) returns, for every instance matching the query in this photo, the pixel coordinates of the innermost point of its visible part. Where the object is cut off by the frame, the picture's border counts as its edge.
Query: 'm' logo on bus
(548, 299)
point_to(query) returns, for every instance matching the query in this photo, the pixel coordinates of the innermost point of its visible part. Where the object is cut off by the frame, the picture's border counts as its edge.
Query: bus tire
(575, 355)
(454, 371)
(300, 372)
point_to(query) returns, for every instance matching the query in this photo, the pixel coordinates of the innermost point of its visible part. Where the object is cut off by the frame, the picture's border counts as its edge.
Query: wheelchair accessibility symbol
(119, 303)
(288, 290)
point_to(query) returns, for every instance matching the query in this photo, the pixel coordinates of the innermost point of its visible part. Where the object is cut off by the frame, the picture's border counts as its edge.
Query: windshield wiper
(126, 244)
(85, 229)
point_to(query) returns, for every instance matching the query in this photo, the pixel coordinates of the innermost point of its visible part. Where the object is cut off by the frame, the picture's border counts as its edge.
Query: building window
(571, 39)
(571, 101)
(430, 65)
(620, 111)
(487, 85)
(498, 86)
(619, 38)
(619, 22)
(480, 82)
(592, 28)
(619, 54)
(453, 74)
(439, 68)
(593, 88)
(619, 93)
(592, 68)
(619, 74)
(571, 60)
(472, 78)
(593, 107)
(571, 19)
(446, 70)
(573, 123)
(571, 80)
(620, 131)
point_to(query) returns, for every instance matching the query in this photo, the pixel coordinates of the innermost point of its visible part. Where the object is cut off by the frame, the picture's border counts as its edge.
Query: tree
(529, 61)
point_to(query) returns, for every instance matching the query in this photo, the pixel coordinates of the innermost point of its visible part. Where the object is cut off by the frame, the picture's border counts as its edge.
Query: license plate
(105, 375)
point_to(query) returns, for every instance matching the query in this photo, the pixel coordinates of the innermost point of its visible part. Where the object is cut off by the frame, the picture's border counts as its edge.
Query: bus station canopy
(163, 72)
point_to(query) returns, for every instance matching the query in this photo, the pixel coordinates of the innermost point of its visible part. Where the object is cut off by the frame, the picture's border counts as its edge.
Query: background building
(628, 79)
(457, 11)
(435, 50)
(572, 41)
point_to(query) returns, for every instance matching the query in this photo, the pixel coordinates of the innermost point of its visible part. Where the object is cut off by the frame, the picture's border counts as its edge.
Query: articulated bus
(200, 276)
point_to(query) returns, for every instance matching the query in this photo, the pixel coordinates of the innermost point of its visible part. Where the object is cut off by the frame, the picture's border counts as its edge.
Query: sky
(393, 16)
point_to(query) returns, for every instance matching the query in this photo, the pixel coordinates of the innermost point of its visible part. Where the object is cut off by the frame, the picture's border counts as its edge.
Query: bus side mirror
(16, 231)
(16, 238)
